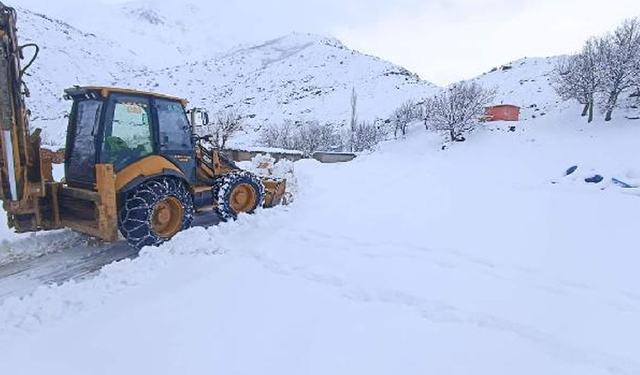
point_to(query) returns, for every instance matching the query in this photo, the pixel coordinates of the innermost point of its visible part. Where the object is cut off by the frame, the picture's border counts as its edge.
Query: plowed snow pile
(479, 259)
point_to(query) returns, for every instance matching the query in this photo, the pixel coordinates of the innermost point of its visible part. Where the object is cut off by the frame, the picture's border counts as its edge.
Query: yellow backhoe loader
(132, 162)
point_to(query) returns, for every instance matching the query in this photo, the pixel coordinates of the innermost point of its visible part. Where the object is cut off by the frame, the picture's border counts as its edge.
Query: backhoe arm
(22, 173)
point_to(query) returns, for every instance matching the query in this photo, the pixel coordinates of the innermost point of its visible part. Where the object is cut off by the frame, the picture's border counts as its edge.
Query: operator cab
(120, 127)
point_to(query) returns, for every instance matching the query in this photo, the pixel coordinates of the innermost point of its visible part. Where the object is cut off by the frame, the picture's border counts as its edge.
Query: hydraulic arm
(22, 181)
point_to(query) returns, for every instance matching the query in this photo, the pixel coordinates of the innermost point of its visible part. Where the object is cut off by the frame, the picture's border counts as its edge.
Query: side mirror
(205, 118)
(198, 117)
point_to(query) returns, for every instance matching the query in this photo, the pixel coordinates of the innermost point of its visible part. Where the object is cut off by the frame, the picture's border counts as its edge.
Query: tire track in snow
(511, 273)
(439, 312)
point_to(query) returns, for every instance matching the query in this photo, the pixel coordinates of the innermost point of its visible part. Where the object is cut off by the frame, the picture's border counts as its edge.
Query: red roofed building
(502, 112)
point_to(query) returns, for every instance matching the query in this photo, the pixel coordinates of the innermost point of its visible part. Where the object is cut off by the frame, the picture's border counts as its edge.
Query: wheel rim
(243, 198)
(166, 219)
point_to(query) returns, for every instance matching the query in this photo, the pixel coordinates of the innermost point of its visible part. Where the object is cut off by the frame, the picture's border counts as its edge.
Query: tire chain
(135, 215)
(222, 190)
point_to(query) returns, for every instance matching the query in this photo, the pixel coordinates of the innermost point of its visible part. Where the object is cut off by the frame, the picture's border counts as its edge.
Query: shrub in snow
(457, 109)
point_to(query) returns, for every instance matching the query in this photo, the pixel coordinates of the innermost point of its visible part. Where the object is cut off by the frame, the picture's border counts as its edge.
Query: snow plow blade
(274, 192)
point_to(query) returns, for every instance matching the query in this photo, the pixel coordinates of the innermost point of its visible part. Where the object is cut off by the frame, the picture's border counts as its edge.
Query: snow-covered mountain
(68, 56)
(297, 77)
(294, 77)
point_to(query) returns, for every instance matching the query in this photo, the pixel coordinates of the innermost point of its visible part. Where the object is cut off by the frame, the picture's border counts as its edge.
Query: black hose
(35, 55)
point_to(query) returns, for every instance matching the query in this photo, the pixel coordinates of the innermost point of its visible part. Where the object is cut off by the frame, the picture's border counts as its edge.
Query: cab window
(127, 132)
(174, 129)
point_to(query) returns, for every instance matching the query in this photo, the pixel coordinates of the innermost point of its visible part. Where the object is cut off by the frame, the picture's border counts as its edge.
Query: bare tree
(307, 137)
(427, 110)
(354, 115)
(403, 116)
(281, 136)
(367, 136)
(579, 77)
(313, 136)
(224, 126)
(457, 109)
(620, 67)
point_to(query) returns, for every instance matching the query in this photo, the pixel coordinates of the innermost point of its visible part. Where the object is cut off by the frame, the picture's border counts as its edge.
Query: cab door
(84, 122)
(175, 141)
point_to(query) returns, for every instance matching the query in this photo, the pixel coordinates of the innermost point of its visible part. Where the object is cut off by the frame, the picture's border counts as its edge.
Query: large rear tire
(237, 192)
(155, 211)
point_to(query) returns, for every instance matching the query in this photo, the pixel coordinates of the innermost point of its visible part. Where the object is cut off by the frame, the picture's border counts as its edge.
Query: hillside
(68, 57)
(298, 76)
(526, 83)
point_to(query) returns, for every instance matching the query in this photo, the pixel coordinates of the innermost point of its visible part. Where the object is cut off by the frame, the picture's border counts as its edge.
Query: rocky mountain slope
(297, 77)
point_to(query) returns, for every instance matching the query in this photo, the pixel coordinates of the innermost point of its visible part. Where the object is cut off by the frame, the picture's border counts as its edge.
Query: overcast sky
(449, 40)
(442, 40)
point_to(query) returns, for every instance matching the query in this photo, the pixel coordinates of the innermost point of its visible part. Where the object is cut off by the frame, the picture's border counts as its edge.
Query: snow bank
(54, 302)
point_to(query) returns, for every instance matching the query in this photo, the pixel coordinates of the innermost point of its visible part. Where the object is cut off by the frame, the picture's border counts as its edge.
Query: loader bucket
(274, 192)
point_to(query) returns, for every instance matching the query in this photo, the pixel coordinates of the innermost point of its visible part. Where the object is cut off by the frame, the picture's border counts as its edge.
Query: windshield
(127, 133)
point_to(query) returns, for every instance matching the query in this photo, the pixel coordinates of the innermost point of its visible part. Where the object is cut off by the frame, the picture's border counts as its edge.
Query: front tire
(237, 192)
(155, 211)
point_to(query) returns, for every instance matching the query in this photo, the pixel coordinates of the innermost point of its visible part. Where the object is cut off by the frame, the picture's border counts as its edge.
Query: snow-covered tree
(224, 126)
(309, 137)
(403, 116)
(313, 136)
(280, 136)
(427, 110)
(457, 109)
(579, 77)
(367, 136)
(620, 67)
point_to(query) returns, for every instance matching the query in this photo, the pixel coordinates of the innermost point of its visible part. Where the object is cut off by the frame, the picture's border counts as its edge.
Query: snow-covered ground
(479, 259)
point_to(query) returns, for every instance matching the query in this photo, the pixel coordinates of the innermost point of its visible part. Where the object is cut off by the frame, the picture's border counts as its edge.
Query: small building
(502, 112)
